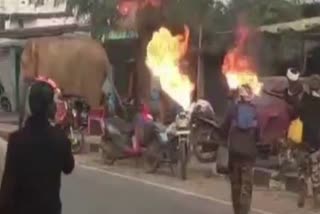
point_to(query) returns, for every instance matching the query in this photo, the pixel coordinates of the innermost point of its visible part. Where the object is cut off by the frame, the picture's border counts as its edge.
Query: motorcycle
(162, 148)
(72, 117)
(169, 145)
(204, 135)
(189, 133)
(121, 139)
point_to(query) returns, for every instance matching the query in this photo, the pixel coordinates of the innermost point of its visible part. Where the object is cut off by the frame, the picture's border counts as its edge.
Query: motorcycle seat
(122, 125)
(212, 121)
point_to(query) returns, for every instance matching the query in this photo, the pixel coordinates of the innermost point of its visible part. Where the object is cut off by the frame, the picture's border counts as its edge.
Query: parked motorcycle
(189, 133)
(161, 149)
(183, 138)
(120, 139)
(72, 116)
(204, 133)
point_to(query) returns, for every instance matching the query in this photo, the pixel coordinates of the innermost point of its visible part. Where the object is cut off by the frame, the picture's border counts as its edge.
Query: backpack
(246, 116)
(244, 135)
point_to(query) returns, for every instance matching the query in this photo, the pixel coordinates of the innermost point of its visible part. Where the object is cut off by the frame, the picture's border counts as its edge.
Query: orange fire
(164, 53)
(238, 68)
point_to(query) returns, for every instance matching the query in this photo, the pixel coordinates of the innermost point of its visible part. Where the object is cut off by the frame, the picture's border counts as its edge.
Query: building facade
(34, 13)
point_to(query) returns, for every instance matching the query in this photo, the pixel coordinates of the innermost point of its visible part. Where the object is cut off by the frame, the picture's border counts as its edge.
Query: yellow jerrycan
(295, 131)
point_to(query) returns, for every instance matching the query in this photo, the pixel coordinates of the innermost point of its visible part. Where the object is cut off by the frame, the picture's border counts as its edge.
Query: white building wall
(13, 24)
(29, 7)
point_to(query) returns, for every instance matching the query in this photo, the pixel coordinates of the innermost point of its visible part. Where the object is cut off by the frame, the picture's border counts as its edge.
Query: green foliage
(266, 11)
(102, 13)
(212, 15)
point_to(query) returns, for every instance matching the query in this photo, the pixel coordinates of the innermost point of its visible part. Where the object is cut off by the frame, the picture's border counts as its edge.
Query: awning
(301, 25)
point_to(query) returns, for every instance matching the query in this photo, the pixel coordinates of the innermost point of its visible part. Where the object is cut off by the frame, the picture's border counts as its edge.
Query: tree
(209, 14)
(101, 12)
(264, 12)
(213, 15)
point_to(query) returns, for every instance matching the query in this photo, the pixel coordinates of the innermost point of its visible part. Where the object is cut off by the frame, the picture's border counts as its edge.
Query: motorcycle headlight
(74, 112)
(182, 120)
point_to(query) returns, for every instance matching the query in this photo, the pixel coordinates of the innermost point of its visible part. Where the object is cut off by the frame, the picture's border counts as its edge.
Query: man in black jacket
(242, 147)
(36, 156)
(309, 112)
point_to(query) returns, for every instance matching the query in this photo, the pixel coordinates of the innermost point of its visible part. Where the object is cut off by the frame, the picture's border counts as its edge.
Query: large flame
(238, 68)
(164, 53)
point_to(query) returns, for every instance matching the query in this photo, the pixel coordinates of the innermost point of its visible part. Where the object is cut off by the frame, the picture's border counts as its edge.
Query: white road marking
(166, 187)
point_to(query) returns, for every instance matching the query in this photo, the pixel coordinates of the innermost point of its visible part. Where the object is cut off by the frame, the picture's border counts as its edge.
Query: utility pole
(200, 76)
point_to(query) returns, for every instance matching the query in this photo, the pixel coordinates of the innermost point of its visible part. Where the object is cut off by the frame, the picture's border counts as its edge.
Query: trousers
(309, 168)
(241, 177)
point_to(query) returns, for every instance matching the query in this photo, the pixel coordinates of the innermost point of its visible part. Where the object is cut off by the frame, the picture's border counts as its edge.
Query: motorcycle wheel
(106, 154)
(152, 157)
(207, 157)
(5, 104)
(77, 141)
(182, 162)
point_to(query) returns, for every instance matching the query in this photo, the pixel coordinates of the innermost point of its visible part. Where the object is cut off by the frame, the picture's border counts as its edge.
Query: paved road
(91, 192)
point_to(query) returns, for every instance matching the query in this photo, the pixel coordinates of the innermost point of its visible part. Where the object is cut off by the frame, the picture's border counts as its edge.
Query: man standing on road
(309, 112)
(241, 127)
(36, 156)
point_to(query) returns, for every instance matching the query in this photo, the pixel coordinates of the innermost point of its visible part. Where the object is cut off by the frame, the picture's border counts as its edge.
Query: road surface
(94, 192)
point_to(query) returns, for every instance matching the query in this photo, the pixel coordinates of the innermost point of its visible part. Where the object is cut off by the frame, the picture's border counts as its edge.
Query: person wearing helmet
(309, 112)
(37, 155)
(293, 93)
(295, 88)
(240, 127)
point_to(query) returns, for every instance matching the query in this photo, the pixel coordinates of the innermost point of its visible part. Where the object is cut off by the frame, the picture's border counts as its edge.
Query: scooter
(120, 139)
(161, 149)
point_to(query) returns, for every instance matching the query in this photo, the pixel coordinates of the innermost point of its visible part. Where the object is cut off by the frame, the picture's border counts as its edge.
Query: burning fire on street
(238, 68)
(164, 55)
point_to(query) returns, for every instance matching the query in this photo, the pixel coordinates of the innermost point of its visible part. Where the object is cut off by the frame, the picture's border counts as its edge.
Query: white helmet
(293, 74)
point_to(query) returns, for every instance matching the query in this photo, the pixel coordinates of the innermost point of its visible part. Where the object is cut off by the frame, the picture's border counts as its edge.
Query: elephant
(78, 66)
